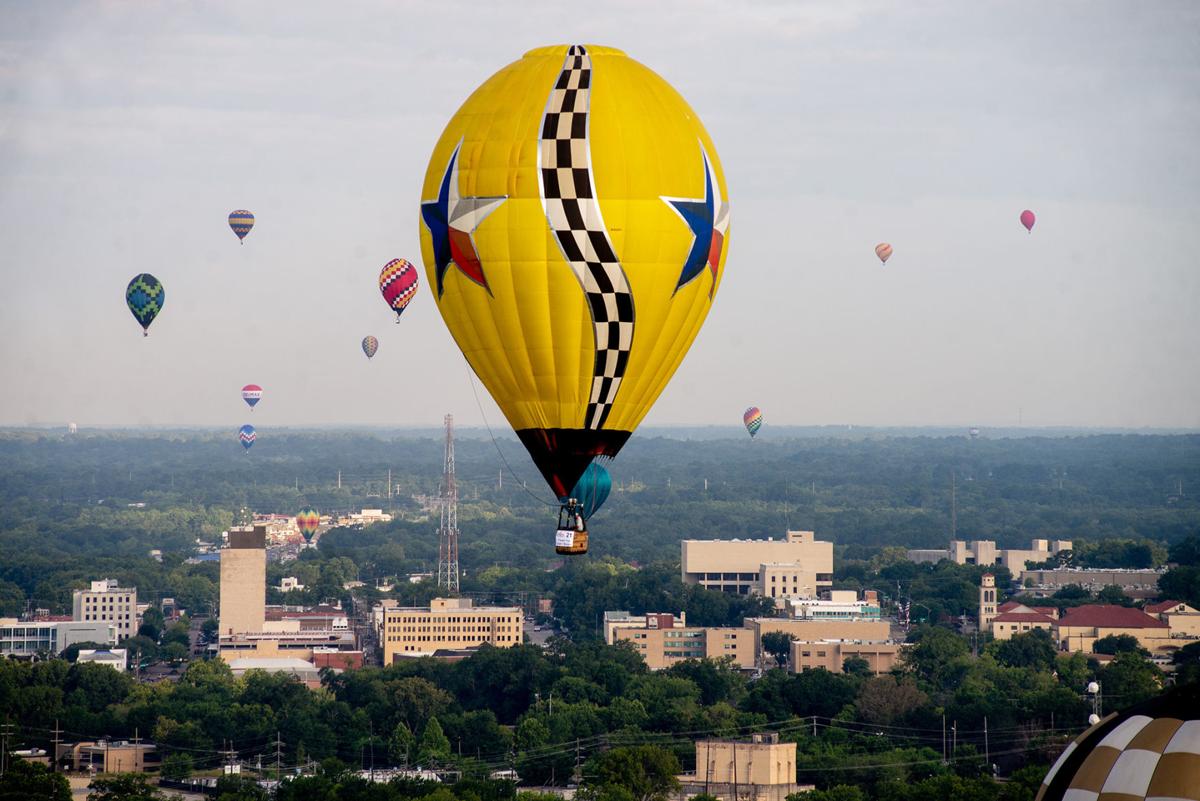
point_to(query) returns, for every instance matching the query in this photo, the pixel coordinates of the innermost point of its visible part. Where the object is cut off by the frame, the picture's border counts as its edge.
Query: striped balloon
(247, 435)
(241, 221)
(398, 282)
(369, 346)
(308, 521)
(884, 251)
(145, 297)
(252, 394)
(753, 419)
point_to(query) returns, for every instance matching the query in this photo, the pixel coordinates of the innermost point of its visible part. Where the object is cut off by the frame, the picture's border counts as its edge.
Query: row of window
(455, 619)
(107, 617)
(729, 577)
(443, 638)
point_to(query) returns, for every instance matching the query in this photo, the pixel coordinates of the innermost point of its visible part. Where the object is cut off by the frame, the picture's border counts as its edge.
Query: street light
(1093, 689)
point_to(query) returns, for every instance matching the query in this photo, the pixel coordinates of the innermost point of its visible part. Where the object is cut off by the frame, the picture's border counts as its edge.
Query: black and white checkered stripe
(569, 199)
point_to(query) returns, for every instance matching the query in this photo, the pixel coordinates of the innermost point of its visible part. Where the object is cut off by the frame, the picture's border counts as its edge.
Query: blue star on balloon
(451, 219)
(699, 214)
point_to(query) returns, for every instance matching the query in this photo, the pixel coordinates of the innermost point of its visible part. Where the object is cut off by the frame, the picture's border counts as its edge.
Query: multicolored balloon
(1028, 218)
(369, 346)
(398, 281)
(247, 435)
(884, 251)
(308, 521)
(574, 247)
(241, 221)
(252, 394)
(753, 418)
(592, 489)
(145, 297)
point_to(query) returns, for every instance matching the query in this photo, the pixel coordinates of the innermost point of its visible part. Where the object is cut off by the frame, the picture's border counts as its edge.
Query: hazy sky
(128, 131)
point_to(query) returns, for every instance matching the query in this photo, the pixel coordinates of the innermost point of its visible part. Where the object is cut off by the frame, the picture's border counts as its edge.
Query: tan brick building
(447, 624)
(1183, 620)
(244, 581)
(761, 769)
(663, 645)
(1080, 627)
(105, 602)
(832, 654)
(814, 630)
(797, 566)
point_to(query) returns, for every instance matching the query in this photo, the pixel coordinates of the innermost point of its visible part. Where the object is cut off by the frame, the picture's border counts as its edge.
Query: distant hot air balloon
(308, 521)
(574, 248)
(1028, 218)
(753, 418)
(252, 394)
(592, 489)
(241, 221)
(247, 435)
(369, 346)
(398, 281)
(145, 297)
(884, 251)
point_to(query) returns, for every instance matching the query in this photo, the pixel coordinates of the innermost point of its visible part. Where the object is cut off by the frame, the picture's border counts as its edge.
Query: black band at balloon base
(562, 454)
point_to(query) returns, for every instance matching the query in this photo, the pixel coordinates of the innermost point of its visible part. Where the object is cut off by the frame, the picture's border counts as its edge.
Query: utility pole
(339, 479)
(279, 748)
(987, 754)
(735, 781)
(137, 752)
(448, 572)
(389, 483)
(943, 739)
(57, 732)
(6, 731)
(577, 776)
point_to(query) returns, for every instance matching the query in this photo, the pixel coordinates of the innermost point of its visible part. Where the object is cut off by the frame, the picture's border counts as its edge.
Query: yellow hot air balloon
(574, 228)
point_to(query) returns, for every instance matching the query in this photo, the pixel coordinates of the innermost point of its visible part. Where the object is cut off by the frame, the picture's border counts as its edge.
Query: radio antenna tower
(448, 530)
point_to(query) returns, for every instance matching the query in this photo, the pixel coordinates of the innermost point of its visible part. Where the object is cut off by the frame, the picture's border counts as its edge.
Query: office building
(1183, 620)
(243, 581)
(797, 566)
(27, 638)
(624, 620)
(839, 605)
(449, 625)
(985, 552)
(831, 655)
(865, 630)
(662, 641)
(106, 602)
(1080, 627)
(1134, 583)
(1016, 618)
(760, 769)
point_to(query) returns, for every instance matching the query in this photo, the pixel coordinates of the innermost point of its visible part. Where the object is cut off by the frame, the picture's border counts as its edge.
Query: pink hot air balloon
(884, 251)
(1028, 219)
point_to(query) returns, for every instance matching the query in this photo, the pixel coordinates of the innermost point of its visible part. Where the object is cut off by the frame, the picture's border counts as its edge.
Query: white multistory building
(107, 602)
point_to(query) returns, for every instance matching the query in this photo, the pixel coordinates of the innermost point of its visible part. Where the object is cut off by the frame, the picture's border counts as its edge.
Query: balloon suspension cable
(512, 473)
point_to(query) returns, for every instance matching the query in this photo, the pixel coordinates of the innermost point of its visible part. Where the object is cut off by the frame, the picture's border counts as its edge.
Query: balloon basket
(569, 542)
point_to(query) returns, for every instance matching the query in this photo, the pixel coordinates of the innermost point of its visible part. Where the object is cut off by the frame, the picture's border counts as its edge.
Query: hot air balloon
(884, 251)
(241, 221)
(592, 489)
(398, 281)
(369, 346)
(1028, 218)
(753, 419)
(308, 521)
(252, 394)
(574, 247)
(145, 297)
(247, 435)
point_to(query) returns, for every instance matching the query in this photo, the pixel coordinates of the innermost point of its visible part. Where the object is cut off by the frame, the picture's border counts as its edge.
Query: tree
(857, 666)
(885, 701)
(435, 746)
(125, 787)
(1128, 679)
(645, 772)
(779, 645)
(1113, 594)
(1032, 649)
(838, 792)
(24, 780)
(400, 744)
(1119, 644)
(1187, 664)
(177, 766)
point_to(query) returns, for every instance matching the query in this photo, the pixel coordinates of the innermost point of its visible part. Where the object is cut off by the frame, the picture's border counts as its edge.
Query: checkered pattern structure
(241, 221)
(398, 282)
(569, 199)
(1131, 757)
(145, 297)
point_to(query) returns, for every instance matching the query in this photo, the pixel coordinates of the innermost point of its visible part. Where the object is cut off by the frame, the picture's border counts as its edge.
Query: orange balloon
(884, 251)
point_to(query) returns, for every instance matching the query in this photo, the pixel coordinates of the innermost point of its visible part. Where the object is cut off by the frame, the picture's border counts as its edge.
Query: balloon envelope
(252, 394)
(884, 251)
(753, 418)
(574, 239)
(1028, 219)
(369, 346)
(241, 221)
(145, 297)
(247, 435)
(398, 281)
(592, 489)
(308, 521)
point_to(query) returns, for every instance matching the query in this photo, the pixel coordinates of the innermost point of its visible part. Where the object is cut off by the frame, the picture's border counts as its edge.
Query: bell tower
(987, 601)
